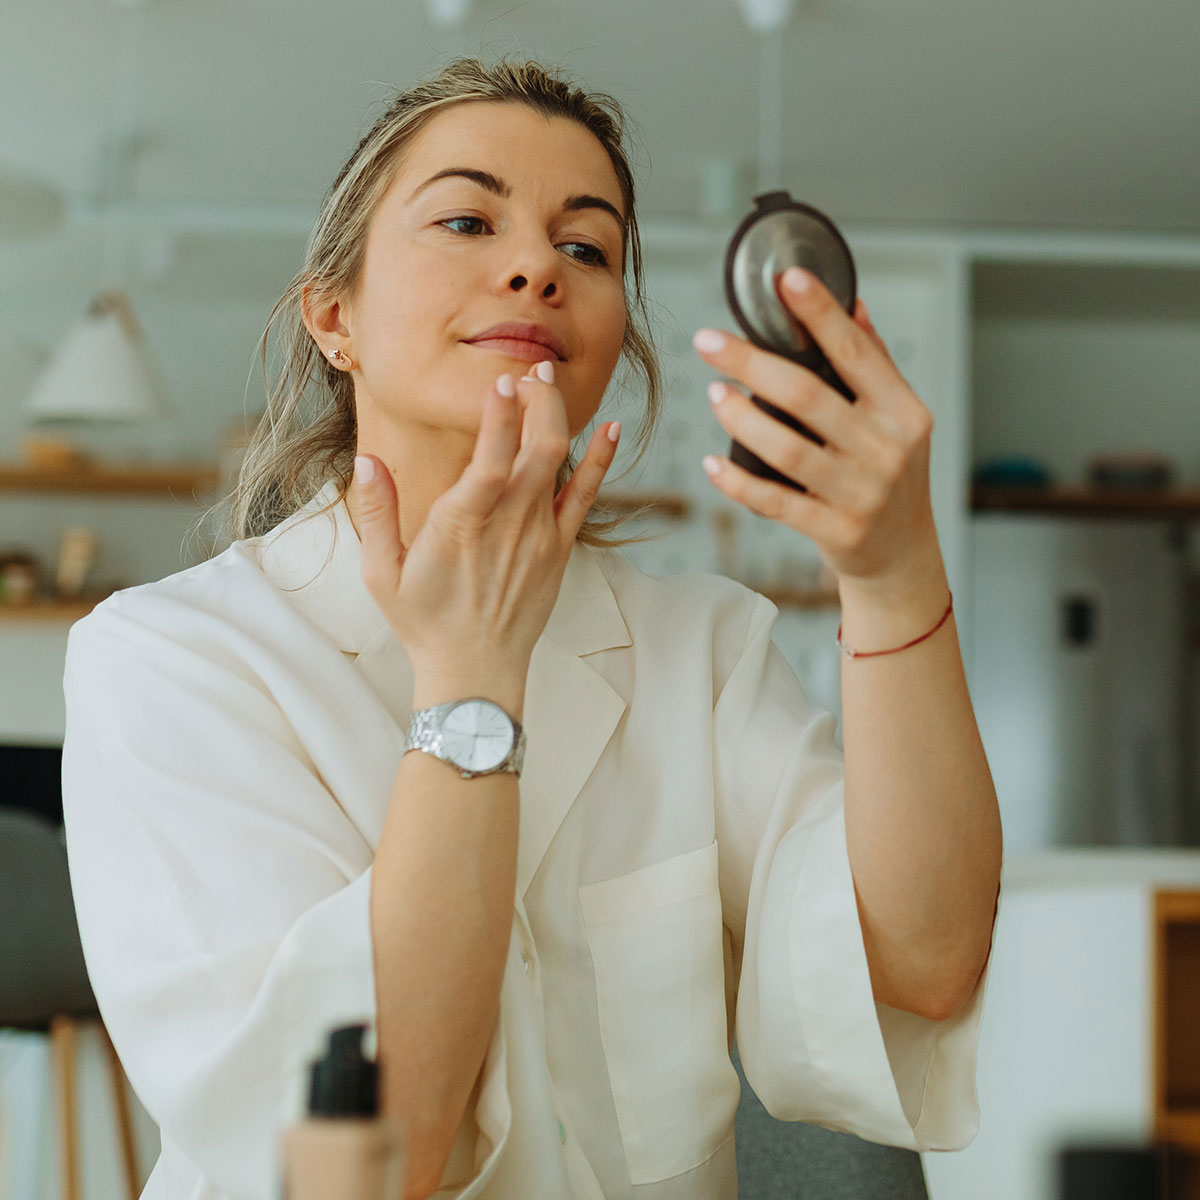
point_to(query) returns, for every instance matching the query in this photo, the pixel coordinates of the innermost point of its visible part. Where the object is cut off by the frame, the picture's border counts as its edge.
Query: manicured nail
(716, 392)
(796, 280)
(708, 341)
(364, 469)
(506, 387)
(614, 431)
(711, 463)
(545, 371)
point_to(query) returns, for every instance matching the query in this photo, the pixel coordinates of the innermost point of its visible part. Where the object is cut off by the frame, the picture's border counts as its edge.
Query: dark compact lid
(778, 234)
(345, 1083)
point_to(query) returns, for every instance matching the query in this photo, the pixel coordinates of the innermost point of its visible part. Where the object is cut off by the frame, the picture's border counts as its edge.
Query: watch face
(477, 735)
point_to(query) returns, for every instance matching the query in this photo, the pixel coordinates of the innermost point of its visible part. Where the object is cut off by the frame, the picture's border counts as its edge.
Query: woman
(268, 840)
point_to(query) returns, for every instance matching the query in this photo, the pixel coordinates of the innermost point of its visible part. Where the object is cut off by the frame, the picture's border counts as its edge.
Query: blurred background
(1020, 185)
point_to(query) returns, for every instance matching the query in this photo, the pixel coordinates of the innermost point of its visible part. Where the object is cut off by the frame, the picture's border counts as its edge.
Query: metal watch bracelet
(425, 733)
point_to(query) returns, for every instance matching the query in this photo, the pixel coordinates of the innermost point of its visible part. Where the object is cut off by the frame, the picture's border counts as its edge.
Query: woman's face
(499, 215)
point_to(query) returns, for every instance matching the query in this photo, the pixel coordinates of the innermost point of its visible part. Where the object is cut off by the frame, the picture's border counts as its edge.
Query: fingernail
(506, 387)
(716, 392)
(364, 469)
(795, 280)
(614, 431)
(711, 464)
(708, 341)
(545, 371)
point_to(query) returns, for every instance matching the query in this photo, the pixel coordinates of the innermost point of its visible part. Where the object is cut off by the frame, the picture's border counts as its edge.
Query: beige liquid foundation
(344, 1149)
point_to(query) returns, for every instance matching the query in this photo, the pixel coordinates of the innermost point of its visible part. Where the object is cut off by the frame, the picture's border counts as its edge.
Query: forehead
(523, 147)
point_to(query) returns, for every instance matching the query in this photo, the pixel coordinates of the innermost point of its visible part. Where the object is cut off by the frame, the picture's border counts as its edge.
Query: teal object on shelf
(1013, 472)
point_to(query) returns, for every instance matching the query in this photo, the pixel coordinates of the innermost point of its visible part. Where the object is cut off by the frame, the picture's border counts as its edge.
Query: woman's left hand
(868, 506)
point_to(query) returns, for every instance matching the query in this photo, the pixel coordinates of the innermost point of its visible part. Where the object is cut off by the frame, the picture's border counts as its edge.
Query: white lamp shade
(101, 371)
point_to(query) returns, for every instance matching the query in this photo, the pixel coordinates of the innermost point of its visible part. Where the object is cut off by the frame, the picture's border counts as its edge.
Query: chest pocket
(656, 940)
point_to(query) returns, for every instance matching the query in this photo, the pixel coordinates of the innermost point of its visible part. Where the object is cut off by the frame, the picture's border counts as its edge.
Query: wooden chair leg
(62, 1044)
(124, 1122)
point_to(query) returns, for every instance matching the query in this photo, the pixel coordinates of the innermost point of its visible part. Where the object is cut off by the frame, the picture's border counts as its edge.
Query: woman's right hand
(474, 591)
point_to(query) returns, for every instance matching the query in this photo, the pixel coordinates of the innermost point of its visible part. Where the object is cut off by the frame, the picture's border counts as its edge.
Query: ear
(325, 319)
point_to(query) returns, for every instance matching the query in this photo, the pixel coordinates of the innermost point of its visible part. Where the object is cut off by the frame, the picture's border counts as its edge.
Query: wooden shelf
(50, 608)
(1083, 501)
(801, 597)
(182, 480)
(1176, 1087)
(1179, 1128)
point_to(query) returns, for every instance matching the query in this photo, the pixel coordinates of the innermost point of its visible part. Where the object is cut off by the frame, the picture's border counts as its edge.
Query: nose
(534, 270)
(520, 282)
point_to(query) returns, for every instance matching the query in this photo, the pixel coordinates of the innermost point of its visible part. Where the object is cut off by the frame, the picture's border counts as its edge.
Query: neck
(423, 463)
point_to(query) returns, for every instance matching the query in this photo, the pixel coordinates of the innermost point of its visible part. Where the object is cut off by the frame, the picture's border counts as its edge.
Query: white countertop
(1104, 866)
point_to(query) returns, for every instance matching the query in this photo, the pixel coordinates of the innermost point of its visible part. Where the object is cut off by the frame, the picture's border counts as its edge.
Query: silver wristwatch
(475, 736)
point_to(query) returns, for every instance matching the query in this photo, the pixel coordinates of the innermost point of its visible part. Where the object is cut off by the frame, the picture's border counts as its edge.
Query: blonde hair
(307, 434)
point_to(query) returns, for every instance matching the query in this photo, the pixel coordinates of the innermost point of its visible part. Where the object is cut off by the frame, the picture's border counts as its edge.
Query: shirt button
(525, 961)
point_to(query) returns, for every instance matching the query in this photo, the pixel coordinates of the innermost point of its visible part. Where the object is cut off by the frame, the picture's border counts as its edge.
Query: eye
(478, 223)
(592, 256)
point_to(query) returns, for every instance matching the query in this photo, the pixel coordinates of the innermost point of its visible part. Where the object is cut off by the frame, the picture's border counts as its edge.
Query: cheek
(613, 324)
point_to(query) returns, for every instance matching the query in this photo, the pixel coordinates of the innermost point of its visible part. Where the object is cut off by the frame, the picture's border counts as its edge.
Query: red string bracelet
(849, 653)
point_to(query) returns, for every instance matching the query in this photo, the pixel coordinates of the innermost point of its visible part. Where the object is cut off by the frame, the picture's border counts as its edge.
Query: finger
(855, 355)
(487, 474)
(835, 476)
(545, 443)
(378, 527)
(579, 493)
(788, 386)
(803, 512)
(542, 372)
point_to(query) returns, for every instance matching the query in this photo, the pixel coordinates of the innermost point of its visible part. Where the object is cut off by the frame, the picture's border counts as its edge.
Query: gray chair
(786, 1160)
(44, 985)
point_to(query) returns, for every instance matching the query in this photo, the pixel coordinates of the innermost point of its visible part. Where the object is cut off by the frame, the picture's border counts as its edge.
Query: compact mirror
(782, 233)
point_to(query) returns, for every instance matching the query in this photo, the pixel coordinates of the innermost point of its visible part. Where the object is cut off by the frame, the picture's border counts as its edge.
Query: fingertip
(364, 470)
(797, 281)
(614, 432)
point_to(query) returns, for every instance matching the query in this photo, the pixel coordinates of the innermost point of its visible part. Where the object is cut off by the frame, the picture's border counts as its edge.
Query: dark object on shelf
(32, 780)
(1140, 471)
(1112, 1173)
(20, 577)
(782, 233)
(1079, 620)
(1013, 472)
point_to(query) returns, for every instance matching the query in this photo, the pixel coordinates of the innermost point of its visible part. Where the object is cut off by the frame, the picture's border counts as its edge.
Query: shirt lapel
(570, 712)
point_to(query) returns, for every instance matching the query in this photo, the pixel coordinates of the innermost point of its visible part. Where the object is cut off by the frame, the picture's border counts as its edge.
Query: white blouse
(233, 734)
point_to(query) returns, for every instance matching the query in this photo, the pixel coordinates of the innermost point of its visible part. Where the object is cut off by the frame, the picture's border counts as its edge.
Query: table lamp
(102, 371)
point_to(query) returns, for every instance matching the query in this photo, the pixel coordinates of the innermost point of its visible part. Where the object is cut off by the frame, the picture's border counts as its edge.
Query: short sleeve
(223, 893)
(814, 1043)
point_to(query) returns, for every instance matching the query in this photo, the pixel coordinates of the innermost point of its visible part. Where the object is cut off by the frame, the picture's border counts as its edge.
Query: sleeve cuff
(850, 1063)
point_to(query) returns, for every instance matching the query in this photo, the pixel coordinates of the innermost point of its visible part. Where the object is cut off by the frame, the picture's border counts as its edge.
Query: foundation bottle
(343, 1149)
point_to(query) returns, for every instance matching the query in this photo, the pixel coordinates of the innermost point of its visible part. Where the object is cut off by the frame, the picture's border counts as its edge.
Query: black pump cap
(345, 1083)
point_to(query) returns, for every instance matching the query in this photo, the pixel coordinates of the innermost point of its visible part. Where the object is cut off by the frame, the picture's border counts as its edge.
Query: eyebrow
(498, 187)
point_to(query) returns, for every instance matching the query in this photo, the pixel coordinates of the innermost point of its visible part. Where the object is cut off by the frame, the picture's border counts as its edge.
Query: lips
(520, 340)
